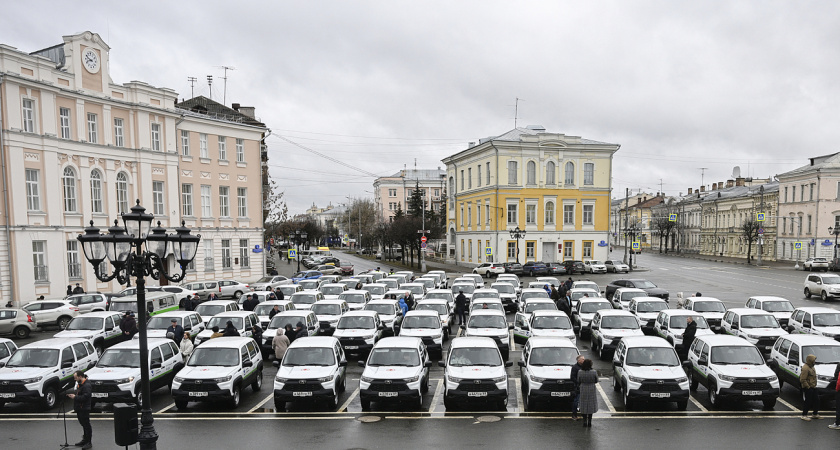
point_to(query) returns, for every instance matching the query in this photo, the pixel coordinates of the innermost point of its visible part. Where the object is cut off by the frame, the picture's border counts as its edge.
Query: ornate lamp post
(835, 232)
(124, 248)
(517, 234)
(300, 238)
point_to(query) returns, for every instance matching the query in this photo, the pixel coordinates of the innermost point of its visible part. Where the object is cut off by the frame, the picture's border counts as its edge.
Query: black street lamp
(517, 234)
(117, 246)
(300, 238)
(835, 232)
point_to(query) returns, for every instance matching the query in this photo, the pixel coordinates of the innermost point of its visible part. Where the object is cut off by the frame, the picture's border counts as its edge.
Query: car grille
(7, 387)
(345, 341)
(713, 322)
(477, 386)
(324, 324)
(302, 386)
(747, 385)
(655, 386)
(199, 386)
(784, 322)
(428, 341)
(104, 386)
(558, 386)
(765, 342)
(388, 386)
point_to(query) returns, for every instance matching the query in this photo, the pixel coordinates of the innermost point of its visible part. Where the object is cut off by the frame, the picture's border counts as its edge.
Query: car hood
(354, 332)
(710, 315)
(391, 372)
(487, 332)
(472, 372)
(764, 331)
(656, 372)
(647, 316)
(655, 291)
(302, 306)
(153, 333)
(19, 373)
(81, 334)
(112, 373)
(622, 332)
(330, 297)
(206, 372)
(826, 370)
(327, 317)
(420, 332)
(356, 306)
(305, 372)
(824, 330)
(744, 371)
(553, 332)
(551, 372)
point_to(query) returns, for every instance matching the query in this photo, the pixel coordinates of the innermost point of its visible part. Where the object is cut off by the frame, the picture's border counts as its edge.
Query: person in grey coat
(587, 380)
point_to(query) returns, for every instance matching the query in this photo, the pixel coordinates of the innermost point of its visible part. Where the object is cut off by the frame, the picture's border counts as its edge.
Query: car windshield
(209, 310)
(762, 321)
(652, 356)
(540, 306)
(831, 279)
(303, 299)
(467, 288)
(120, 358)
(382, 309)
(679, 322)
(327, 309)
(827, 320)
(390, 282)
(426, 282)
(421, 322)
(288, 290)
(438, 296)
(585, 285)
(332, 290)
(221, 322)
(214, 357)
(356, 322)
(407, 357)
(414, 289)
(264, 310)
(596, 262)
(627, 296)
(777, 306)
(504, 288)
(593, 307)
(480, 295)
(265, 280)
(551, 323)
(487, 322)
(352, 298)
(736, 354)
(279, 322)
(350, 282)
(550, 281)
(309, 356)
(644, 284)
(85, 323)
(649, 307)
(34, 357)
(308, 284)
(707, 306)
(123, 306)
(826, 354)
(619, 322)
(439, 308)
(374, 290)
(553, 356)
(490, 305)
(577, 295)
(161, 323)
(481, 356)
(534, 294)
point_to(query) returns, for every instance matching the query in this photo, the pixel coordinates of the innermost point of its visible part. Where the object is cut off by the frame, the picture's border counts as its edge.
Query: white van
(156, 303)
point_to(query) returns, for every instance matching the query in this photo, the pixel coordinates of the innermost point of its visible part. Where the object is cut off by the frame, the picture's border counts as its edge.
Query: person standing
(196, 300)
(461, 307)
(403, 306)
(128, 325)
(279, 294)
(568, 284)
(290, 332)
(186, 346)
(176, 330)
(249, 304)
(688, 337)
(575, 369)
(257, 334)
(216, 332)
(280, 343)
(78, 289)
(273, 312)
(300, 331)
(836, 424)
(808, 381)
(81, 404)
(230, 330)
(587, 379)
(69, 290)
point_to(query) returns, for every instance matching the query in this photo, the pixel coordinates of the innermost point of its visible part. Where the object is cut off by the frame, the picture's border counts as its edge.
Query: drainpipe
(496, 219)
(6, 197)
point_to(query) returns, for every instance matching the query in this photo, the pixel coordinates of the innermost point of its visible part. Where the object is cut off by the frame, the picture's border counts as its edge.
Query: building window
(206, 210)
(589, 174)
(33, 190)
(244, 259)
(119, 137)
(392, 192)
(809, 224)
(587, 249)
(811, 195)
(469, 247)
(478, 219)
(156, 137)
(469, 215)
(28, 115)
(95, 191)
(93, 128)
(185, 143)
(549, 213)
(74, 267)
(392, 206)
(157, 198)
(487, 214)
(570, 173)
(568, 249)
(224, 201)
(588, 214)
(462, 180)
(512, 214)
(202, 146)
(469, 178)
(68, 182)
(225, 253)
(532, 172)
(222, 148)
(530, 214)
(529, 249)
(242, 201)
(64, 122)
(240, 150)
(550, 170)
(39, 260)
(793, 192)
(437, 192)
(568, 214)
(478, 183)
(122, 193)
(511, 250)
(209, 264)
(488, 173)
(512, 169)
(187, 199)
(838, 191)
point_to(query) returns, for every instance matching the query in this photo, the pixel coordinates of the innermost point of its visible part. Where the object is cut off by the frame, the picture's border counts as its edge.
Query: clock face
(90, 59)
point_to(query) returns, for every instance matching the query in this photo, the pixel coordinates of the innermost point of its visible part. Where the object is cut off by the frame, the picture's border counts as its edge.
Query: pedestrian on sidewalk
(587, 379)
(81, 404)
(808, 381)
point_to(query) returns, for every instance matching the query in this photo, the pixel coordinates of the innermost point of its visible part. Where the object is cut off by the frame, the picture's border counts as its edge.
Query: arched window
(570, 173)
(532, 172)
(68, 181)
(122, 193)
(549, 213)
(96, 191)
(549, 172)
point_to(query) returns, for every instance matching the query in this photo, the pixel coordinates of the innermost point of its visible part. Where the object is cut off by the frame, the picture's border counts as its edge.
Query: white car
(492, 324)
(426, 326)
(815, 320)
(710, 308)
(475, 371)
(100, 328)
(616, 266)
(586, 284)
(512, 279)
(390, 313)
(646, 368)
(816, 264)
(427, 282)
(89, 302)
(538, 304)
(531, 293)
(647, 309)
(577, 294)
(609, 327)
(52, 312)
(290, 317)
(584, 311)
(670, 325)
(550, 280)
(444, 311)
(789, 353)
(485, 294)
(826, 286)
(441, 277)
(356, 299)
(358, 331)
(332, 291)
(218, 371)
(263, 310)
(489, 270)
(313, 369)
(781, 308)
(7, 349)
(189, 320)
(396, 369)
(418, 290)
(243, 321)
(594, 266)
(622, 296)
(487, 303)
(209, 309)
(289, 289)
(546, 369)
(328, 312)
(441, 294)
(479, 281)
(270, 283)
(757, 327)
(377, 290)
(466, 288)
(305, 299)
(543, 323)
(507, 292)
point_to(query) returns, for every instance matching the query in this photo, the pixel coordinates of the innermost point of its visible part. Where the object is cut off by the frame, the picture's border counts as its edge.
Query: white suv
(40, 371)
(356, 299)
(290, 317)
(781, 308)
(52, 312)
(758, 327)
(397, 368)
(489, 270)
(815, 320)
(218, 371)
(359, 331)
(328, 312)
(594, 266)
(788, 357)
(89, 302)
(314, 368)
(584, 312)
(710, 308)
(646, 309)
(647, 368)
(670, 325)
(731, 368)
(475, 371)
(622, 296)
(444, 310)
(543, 323)
(390, 313)
(424, 325)
(332, 291)
(826, 285)
(100, 328)
(492, 324)
(609, 326)
(189, 320)
(243, 321)
(546, 370)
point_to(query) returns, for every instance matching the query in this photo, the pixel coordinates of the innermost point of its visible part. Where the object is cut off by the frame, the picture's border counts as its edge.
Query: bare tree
(749, 231)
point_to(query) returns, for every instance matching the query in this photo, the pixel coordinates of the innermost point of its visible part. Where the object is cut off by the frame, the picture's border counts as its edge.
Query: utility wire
(330, 158)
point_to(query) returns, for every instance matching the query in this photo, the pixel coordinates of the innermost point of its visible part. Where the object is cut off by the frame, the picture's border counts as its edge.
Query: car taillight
(29, 318)
(73, 308)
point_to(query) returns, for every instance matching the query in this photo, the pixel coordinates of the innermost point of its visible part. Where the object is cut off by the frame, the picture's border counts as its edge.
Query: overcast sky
(376, 85)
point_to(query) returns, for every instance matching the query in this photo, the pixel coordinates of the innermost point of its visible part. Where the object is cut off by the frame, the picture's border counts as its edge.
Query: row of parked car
(535, 268)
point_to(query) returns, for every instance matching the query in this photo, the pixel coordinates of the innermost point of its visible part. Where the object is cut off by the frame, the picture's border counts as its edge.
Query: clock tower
(86, 57)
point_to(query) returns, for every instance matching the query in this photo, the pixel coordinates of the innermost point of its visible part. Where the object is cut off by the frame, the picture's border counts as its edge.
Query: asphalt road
(433, 425)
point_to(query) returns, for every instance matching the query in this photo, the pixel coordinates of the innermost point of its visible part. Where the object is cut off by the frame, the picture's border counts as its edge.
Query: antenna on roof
(702, 173)
(224, 96)
(192, 81)
(210, 84)
(516, 112)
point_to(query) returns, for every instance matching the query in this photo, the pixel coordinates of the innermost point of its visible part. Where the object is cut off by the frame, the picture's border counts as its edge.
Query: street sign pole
(423, 247)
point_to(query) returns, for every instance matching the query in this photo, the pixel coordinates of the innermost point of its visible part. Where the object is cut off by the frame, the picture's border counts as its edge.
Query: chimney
(739, 181)
(702, 188)
(720, 185)
(730, 183)
(638, 201)
(690, 191)
(249, 111)
(235, 106)
(714, 186)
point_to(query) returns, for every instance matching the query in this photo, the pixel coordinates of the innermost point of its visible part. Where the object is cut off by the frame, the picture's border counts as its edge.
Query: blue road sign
(292, 254)
(672, 217)
(636, 246)
(760, 217)
(797, 245)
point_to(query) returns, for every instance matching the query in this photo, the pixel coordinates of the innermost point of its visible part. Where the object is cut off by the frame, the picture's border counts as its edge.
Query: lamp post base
(148, 436)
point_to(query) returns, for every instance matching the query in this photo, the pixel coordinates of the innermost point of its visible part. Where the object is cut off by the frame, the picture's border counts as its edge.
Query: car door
(790, 372)
(521, 328)
(806, 324)
(84, 360)
(703, 368)
(8, 318)
(618, 359)
(726, 323)
(67, 367)
(155, 362)
(110, 331)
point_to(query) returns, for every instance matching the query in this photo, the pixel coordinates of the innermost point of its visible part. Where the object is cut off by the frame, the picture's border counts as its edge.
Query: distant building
(392, 193)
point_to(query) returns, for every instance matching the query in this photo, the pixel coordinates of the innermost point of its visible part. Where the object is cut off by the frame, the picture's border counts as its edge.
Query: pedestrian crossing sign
(797, 245)
(292, 254)
(759, 217)
(636, 246)
(672, 218)
(488, 251)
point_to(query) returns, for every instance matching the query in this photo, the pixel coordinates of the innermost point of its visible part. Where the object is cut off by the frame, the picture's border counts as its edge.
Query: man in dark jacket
(128, 325)
(290, 333)
(81, 404)
(461, 307)
(273, 312)
(69, 290)
(230, 330)
(575, 369)
(279, 294)
(568, 284)
(196, 300)
(177, 330)
(554, 294)
(250, 303)
(300, 331)
(688, 337)
(78, 289)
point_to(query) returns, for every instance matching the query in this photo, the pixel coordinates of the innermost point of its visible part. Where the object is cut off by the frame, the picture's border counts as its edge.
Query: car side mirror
(686, 365)
(521, 363)
(342, 364)
(442, 363)
(509, 364)
(66, 364)
(595, 327)
(735, 326)
(311, 328)
(380, 327)
(602, 292)
(158, 365)
(427, 364)
(618, 363)
(463, 327)
(524, 327)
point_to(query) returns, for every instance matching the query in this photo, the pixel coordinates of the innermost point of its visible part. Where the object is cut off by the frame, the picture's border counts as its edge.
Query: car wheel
(139, 399)
(332, 403)
(682, 405)
(181, 404)
(628, 403)
(424, 388)
(63, 321)
(601, 352)
(807, 293)
(280, 406)
(365, 404)
(257, 384)
(237, 294)
(419, 403)
(22, 332)
(343, 386)
(501, 405)
(616, 385)
(823, 296)
(50, 397)
(236, 398)
(446, 402)
(713, 397)
(527, 401)
(693, 381)
(769, 404)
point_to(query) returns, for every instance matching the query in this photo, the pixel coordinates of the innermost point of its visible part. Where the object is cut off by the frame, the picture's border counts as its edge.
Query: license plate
(561, 394)
(660, 394)
(750, 392)
(387, 394)
(302, 394)
(99, 395)
(198, 394)
(11, 395)
(476, 394)
(352, 347)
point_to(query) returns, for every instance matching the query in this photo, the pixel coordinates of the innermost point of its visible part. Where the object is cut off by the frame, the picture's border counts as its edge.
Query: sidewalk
(784, 265)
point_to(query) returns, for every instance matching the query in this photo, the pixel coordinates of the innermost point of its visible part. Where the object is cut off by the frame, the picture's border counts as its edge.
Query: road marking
(459, 332)
(519, 404)
(512, 342)
(167, 408)
(604, 396)
(436, 398)
(270, 396)
(697, 404)
(347, 403)
(792, 408)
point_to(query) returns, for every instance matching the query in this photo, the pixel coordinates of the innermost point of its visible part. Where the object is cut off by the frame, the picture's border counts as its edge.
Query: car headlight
(824, 378)
(222, 379)
(608, 337)
(124, 380)
(281, 379)
(727, 378)
(178, 379)
(412, 379)
(499, 379)
(32, 380)
(537, 379)
(327, 378)
(753, 336)
(453, 379)
(367, 379)
(774, 378)
(370, 336)
(682, 380)
(636, 379)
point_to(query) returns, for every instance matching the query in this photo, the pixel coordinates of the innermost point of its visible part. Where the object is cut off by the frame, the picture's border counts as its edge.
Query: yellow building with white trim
(554, 187)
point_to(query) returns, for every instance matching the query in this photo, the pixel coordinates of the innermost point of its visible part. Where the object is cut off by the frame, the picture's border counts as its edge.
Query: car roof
(100, 314)
(629, 289)
(592, 300)
(700, 299)
(480, 290)
(332, 285)
(54, 343)
(487, 312)
(399, 342)
(329, 302)
(360, 312)
(548, 312)
(504, 281)
(433, 300)
(679, 312)
(723, 339)
(227, 342)
(426, 312)
(438, 291)
(135, 343)
(276, 302)
(817, 309)
(472, 341)
(355, 291)
(234, 314)
(294, 312)
(48, 301)
(218, 302)
(749, 312)
(648, 299)
(378, 284)
(411, 284)
(540, 300)
(314, 341)
(532, 290)
(811, 339)
(614, 312)
(478, 301)
(645, 341)
(585, 290)
(550, 341)
(383, 301)
(768, 298)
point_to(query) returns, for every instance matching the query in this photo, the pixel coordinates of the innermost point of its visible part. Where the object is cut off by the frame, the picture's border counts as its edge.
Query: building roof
(421, 174)
(739, 191)
(215, 110)
(649, 202)
(831, 161)
(515, 135)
